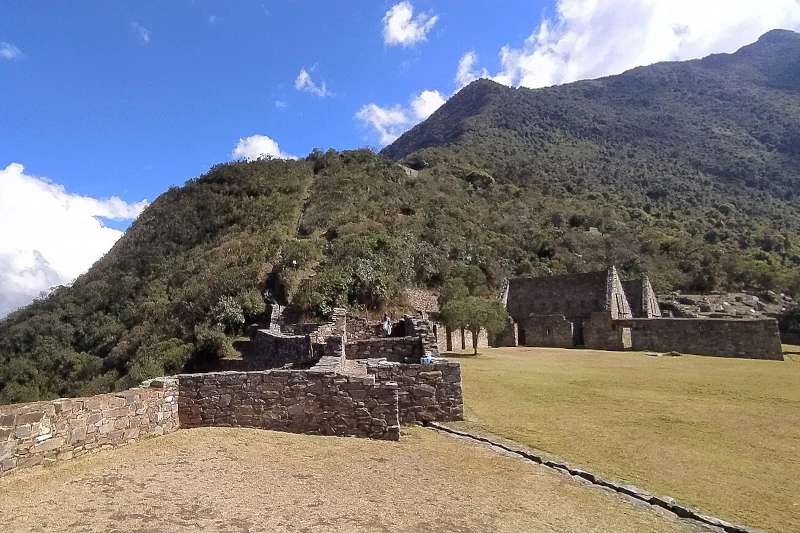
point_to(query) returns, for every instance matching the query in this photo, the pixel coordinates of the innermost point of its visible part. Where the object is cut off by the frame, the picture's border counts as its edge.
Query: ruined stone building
(597, 310)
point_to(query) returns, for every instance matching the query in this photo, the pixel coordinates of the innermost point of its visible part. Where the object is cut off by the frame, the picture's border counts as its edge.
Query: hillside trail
(279, 313)
(303, 208)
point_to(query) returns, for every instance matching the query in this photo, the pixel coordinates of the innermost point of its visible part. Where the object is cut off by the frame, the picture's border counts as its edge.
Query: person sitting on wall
(386, 324)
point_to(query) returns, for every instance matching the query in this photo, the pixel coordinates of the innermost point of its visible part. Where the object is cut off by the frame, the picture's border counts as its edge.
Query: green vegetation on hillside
(689, 170)
(152, 305)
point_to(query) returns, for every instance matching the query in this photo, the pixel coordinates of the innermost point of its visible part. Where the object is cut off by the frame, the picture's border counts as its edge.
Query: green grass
(722, 435)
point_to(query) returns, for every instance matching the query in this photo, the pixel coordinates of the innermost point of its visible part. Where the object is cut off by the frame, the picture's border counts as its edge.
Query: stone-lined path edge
(664, 502)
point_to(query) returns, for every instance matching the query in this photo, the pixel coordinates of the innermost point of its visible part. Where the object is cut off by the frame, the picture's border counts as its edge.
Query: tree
(473, 314)
(790, 322)
(452, 289)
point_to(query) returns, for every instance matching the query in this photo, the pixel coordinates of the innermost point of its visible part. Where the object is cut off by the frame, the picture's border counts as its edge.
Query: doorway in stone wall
(577, 335)
(521, 336)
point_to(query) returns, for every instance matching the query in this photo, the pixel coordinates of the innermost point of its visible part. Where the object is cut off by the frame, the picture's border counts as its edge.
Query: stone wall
(571, 295)
(418, 327)
(599, 333)
(752, 339)
(509, 336)
(45, 432)
(650, 307)
(360, 329)
(426, 393)
(552, 331)
(395, 349)
(308, 402)
(335, 326)
(617, 303)
(270, 349)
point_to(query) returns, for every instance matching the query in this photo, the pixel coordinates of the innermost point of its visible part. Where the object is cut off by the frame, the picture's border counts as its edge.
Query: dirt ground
(215, 479)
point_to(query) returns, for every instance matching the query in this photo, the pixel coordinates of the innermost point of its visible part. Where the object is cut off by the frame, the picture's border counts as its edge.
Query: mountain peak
(780, 35)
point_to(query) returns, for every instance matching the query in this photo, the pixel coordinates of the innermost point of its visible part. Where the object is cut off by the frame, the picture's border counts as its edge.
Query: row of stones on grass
(664, 502)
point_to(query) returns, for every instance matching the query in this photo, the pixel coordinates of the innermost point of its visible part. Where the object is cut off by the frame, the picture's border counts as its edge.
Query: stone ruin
(301, 378)
(597, 310)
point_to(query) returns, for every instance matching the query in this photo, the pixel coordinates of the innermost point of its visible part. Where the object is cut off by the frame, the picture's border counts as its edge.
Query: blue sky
(105, 104)
(104, 112)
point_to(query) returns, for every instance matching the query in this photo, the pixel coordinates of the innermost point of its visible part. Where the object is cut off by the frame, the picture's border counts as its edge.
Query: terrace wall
(395, 349)
(309, 402)
(45, 432)
(427, 393)
(751, 339)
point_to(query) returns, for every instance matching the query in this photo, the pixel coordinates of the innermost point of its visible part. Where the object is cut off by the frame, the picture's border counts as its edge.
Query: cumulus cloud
(258, 146)
(141, 33)
(50, 236)
(390, 122)
(9, 51)
(400, 27)
(305, 83)
(466, 72)
(424, 104)
(593, 38)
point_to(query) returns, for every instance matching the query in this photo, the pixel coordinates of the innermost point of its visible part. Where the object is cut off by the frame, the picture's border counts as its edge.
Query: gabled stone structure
(597, 310)
(642, 298)
(556, 311)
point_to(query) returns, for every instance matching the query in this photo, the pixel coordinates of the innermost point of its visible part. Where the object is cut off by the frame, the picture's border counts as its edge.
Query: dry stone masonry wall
(45, 432)
(395, 349)
(295, 401)
(753, 339)
(427, 393)
(361, 329)
(342, 392)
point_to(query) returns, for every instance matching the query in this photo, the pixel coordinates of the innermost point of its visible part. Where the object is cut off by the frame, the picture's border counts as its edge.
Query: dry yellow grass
(215, 479)
(722, 435)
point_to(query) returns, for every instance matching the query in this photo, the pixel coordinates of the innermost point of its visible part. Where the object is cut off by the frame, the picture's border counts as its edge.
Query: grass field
(722, 435)
(215, 479)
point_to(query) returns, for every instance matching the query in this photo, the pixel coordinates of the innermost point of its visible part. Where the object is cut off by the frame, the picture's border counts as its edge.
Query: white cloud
(212, 19)
(9, 51)
(465, 74)
(142, 33)
(50, 236)
(305, 83)
(390, 122)
(400, 27)
(280, 104)
(426, 103)
(593, 38)
(257, 146)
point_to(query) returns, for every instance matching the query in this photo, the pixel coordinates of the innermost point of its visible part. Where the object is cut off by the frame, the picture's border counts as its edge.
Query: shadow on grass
(459, 355)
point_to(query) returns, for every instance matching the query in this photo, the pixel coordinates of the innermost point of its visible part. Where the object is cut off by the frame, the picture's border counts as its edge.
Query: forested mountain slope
(705, 151)
(684, 171)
